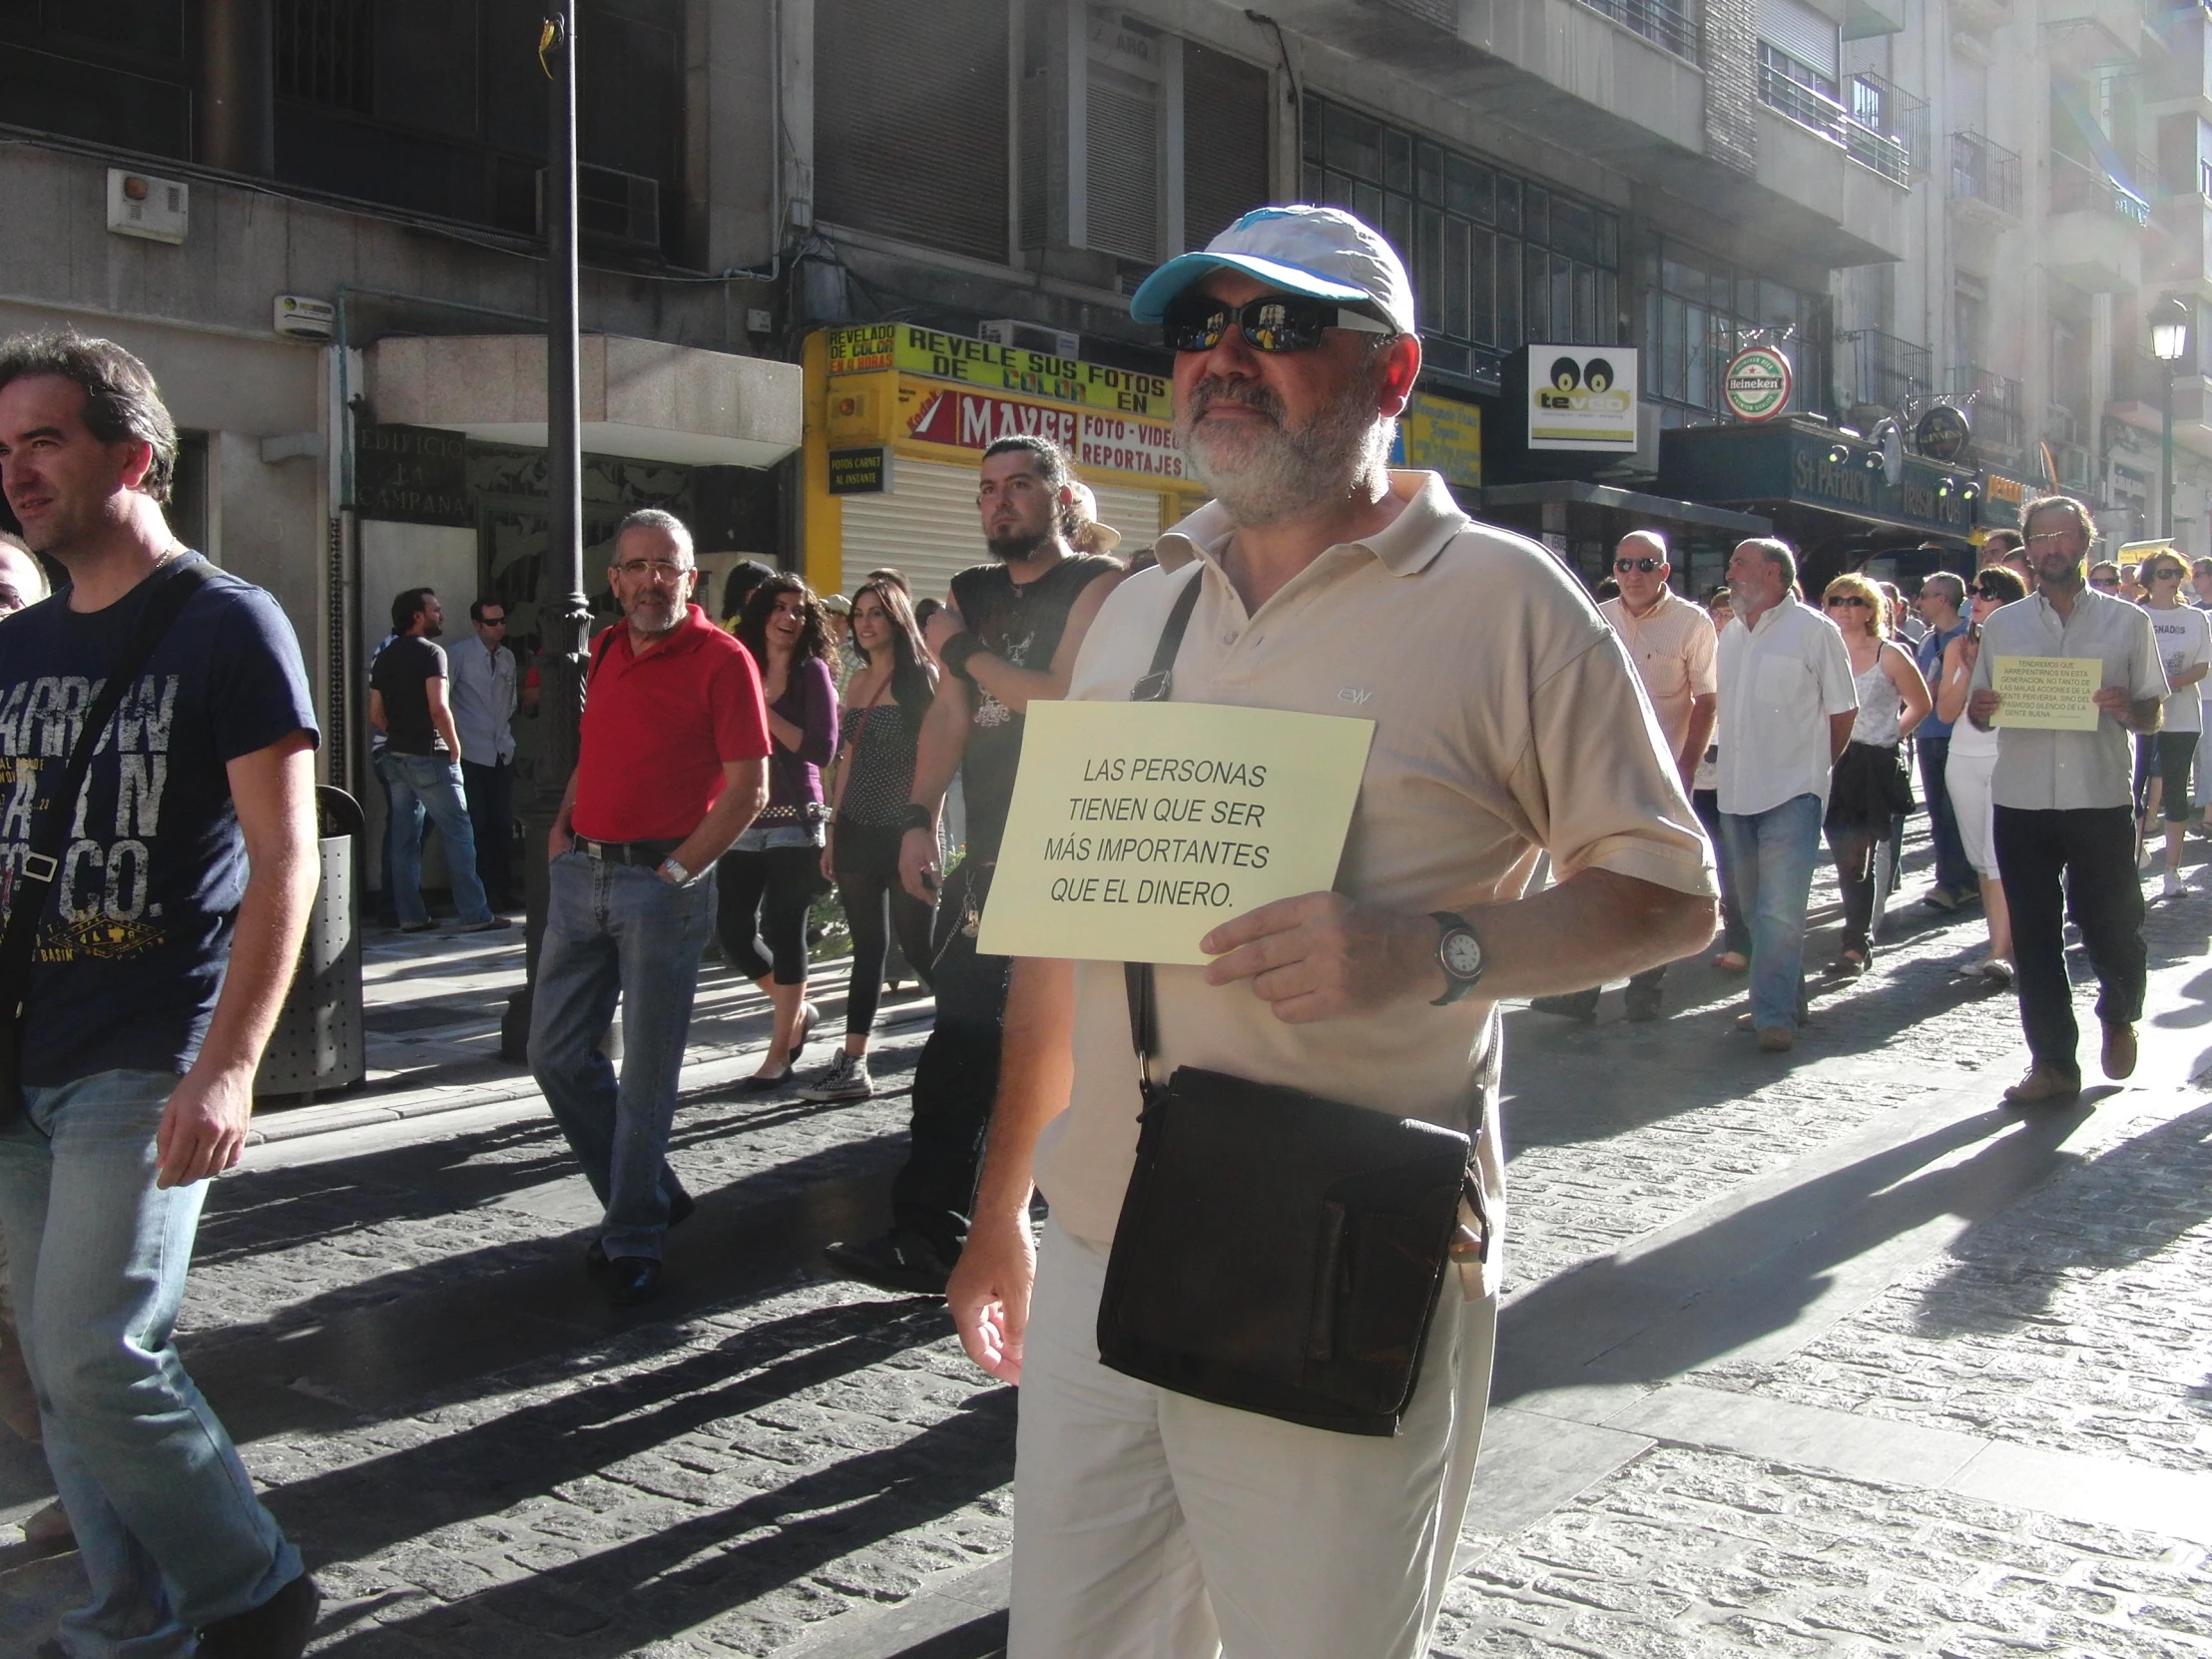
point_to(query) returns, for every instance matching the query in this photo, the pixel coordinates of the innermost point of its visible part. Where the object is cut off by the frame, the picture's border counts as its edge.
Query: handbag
(1277, 1252)
(41, 867)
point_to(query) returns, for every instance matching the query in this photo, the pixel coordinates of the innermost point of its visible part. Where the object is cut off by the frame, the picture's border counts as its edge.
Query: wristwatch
(676, 876)
(1459, 954)
(920, 817)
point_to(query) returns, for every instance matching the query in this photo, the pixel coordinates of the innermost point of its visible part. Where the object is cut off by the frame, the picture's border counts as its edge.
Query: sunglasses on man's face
(1273, 323)
(1645, 565)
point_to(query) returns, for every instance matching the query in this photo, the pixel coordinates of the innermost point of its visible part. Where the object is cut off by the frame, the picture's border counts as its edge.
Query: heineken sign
(1758, 384)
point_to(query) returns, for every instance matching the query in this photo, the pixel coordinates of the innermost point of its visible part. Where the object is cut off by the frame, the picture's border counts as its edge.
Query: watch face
(1462, 954)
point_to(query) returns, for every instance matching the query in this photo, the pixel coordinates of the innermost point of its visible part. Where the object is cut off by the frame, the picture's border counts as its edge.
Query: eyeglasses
(2104, 582)
(1990, 592)
(661, 570)
(1645, 565)
(1273, 323)
(2052, 535)
(1836, 600)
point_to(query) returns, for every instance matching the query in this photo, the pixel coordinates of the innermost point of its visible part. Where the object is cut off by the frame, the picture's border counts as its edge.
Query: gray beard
(1266, 476)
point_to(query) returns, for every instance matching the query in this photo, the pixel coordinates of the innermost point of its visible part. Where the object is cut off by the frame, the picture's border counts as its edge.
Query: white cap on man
(1324, 253)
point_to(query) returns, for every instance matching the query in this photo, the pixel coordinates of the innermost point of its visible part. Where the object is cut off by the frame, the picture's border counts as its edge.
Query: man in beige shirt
(1148, 1523)
(1671, 645)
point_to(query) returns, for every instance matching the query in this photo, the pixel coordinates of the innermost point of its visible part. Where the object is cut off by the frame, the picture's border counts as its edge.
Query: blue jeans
(616, 929)
(424, 785)
(1952, 871)
(1770, 862)
(171, 1533)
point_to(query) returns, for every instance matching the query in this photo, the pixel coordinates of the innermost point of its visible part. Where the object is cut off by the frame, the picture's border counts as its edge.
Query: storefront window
(1496, 261)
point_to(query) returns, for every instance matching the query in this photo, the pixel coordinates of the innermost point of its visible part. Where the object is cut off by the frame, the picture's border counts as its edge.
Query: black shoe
(637, 1278)
(1645, 1006)
(1573, 1006)
(418, 927)
(768, 1085)
(898, 1261)
(277, 1629)
(680, 1210)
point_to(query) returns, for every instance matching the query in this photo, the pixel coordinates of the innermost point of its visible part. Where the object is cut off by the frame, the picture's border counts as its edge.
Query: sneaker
(490, 924)
(2173, 886)
(844, 1078)
(898, 1261)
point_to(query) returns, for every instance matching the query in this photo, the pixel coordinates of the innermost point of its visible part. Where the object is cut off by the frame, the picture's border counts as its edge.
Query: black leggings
(770, 889)
(874, 904)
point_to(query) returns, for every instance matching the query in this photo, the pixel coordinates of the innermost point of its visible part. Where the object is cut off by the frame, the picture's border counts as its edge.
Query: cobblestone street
(1824, 1354)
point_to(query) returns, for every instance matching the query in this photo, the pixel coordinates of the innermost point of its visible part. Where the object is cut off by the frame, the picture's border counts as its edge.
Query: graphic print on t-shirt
(103, 906)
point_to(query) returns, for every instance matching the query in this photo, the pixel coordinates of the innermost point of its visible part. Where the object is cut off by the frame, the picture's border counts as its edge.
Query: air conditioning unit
(613, 209)
(1031, 337)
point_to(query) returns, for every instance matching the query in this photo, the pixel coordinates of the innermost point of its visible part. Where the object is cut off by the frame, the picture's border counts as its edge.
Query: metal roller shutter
(1135, 513)
(926, 526)
(1800, 31)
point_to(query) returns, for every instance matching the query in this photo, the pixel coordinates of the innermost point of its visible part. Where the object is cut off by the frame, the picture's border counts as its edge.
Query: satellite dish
(1890, 437)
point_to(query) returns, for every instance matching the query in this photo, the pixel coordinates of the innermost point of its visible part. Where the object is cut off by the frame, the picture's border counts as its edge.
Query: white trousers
(1150, 1525)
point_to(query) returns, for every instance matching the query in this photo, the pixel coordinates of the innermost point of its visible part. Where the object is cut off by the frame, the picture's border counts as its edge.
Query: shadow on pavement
(1655, 1316)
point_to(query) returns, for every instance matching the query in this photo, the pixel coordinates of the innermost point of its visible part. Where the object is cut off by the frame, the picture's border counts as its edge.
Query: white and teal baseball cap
(1322, 251)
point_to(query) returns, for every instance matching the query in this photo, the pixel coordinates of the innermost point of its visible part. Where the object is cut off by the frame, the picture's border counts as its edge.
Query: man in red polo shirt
(673, 764)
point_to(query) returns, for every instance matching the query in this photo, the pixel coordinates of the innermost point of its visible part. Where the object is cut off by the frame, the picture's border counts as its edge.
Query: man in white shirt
(2065, 833)
(1787, 703)
(481, 682)
(1671, 643)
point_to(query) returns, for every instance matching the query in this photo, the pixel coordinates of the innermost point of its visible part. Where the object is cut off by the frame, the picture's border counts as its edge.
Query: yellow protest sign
(2047, 694)
(1137, 827)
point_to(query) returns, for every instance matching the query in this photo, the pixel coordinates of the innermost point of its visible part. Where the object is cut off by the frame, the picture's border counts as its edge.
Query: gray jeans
(615, 930)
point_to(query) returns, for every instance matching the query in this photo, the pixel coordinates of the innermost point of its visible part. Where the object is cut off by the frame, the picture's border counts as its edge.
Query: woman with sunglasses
(1869, 785)
(880, 730)
(769, 876)
(2185, 644)
(1973, 762)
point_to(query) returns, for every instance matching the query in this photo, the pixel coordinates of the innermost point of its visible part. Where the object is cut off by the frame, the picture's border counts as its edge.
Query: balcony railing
(1662, 22)
(1884, 108)
(1986, 172)
(1784, 88)
(2079, 188)
(1993, 404)
(1881, 369)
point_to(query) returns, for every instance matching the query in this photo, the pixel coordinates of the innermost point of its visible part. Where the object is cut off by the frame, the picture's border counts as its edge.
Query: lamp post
(2169, 342)
(564, 619)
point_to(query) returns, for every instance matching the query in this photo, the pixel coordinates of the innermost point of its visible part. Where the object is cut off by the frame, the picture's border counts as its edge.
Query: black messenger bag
(1277, 1252)
(34, 880)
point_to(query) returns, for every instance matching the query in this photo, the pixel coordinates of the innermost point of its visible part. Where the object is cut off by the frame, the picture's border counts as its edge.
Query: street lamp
(2169, 342)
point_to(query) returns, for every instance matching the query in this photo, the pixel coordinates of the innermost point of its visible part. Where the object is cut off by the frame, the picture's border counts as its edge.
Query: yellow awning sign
(2047, 694)
(1138, 828)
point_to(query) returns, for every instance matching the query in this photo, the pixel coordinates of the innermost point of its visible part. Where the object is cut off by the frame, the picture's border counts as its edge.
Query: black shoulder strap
(1155, 687)
(598, 649)
(41, 867)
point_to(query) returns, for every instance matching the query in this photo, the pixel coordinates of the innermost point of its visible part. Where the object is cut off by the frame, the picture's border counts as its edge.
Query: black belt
(646, 855)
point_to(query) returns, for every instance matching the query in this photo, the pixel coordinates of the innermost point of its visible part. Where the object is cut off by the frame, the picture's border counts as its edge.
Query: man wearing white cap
(1150, 1524)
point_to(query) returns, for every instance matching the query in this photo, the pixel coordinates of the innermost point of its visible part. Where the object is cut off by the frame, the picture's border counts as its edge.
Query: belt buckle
(32, 863)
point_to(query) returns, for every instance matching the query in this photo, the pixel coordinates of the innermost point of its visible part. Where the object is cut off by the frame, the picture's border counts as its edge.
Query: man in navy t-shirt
(168, 940)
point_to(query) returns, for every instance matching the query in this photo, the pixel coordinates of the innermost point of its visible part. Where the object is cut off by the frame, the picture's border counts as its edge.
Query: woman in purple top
(769, 876)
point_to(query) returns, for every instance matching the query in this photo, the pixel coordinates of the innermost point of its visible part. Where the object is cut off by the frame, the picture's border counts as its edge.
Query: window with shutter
(1802, 32)
(910, 131)
(1225, 142)
(1124, 70)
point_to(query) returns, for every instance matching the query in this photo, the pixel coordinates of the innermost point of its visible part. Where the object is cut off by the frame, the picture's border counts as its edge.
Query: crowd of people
(1675, 763)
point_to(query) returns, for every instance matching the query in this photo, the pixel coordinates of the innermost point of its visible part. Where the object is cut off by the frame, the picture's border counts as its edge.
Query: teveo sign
(1758, 384)
(1582, 397)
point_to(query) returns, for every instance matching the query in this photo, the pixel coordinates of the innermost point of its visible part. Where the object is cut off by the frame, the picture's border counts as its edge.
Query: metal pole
(564, 619)
(2166, 450)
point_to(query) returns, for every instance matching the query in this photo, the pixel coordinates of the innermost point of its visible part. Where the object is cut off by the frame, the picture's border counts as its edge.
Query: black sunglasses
(1835, 599)
(1272, 323)
(1638, 564)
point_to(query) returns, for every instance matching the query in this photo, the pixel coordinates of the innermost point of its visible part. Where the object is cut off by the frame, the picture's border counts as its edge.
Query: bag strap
(41, 865)
(1156, 687)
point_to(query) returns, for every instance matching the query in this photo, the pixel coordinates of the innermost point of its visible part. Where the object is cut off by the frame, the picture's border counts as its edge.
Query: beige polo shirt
(1509, 723)
(1672, 648)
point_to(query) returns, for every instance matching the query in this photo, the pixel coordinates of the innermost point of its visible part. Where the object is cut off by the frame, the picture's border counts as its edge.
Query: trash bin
(316, 1047)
